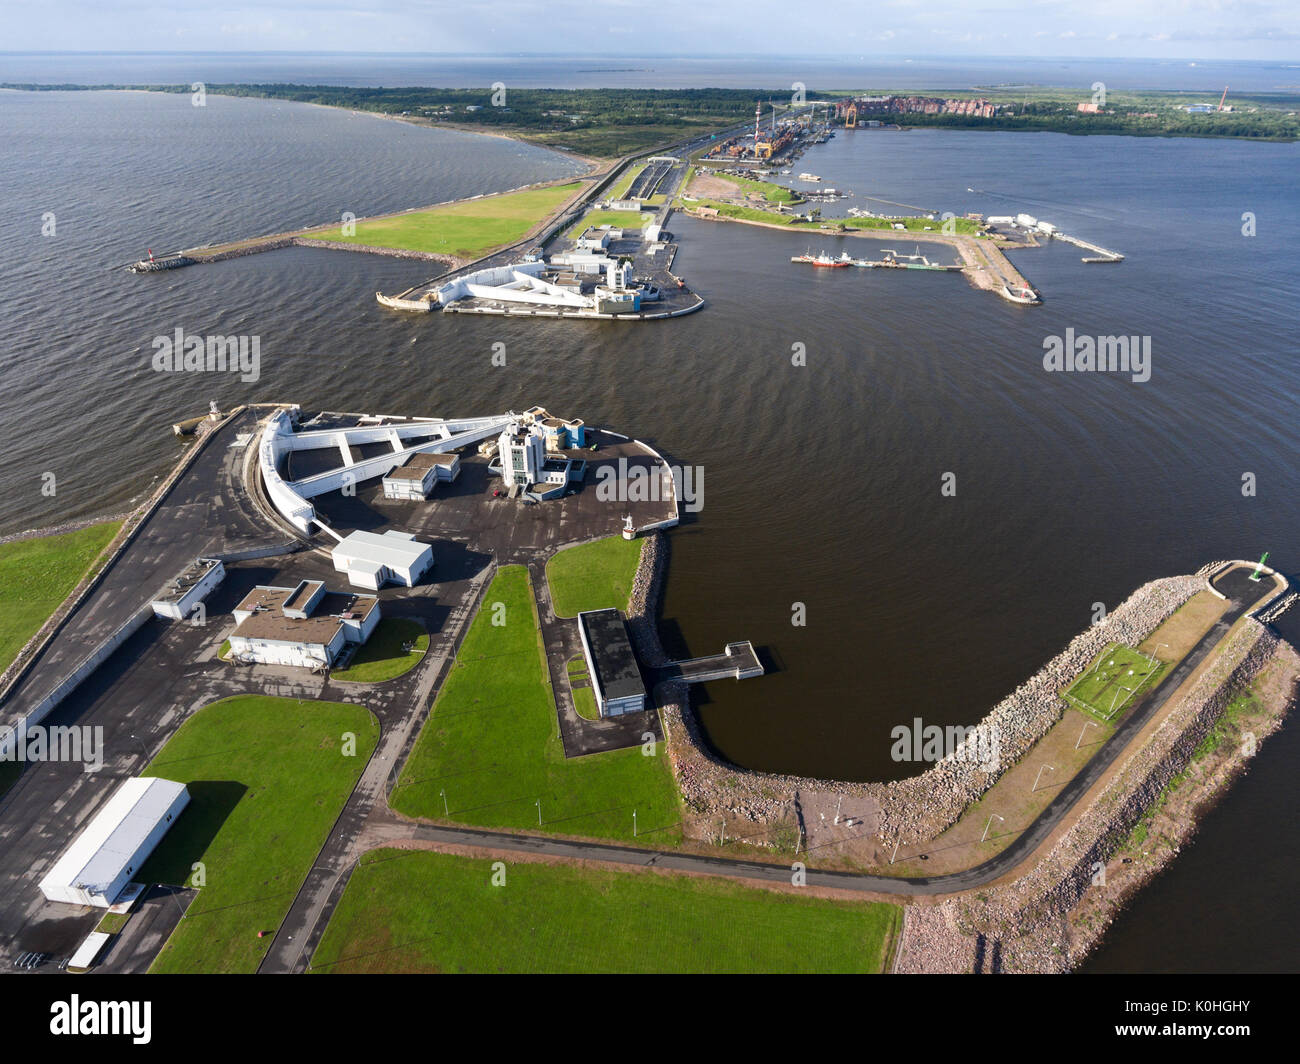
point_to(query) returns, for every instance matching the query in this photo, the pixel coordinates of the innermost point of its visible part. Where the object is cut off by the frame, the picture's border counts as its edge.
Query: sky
(1170, 29)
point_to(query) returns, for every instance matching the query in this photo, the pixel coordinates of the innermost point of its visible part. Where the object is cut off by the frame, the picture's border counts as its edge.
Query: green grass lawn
(36, 575)
(492, 743)
(619, 191)
(630, 220)
(383, 657)
(1100, 690)
(112, 923)
(267, 780)
(584, 698)
(466, 230)
(772, 193)
(418, 911)
(593, 576)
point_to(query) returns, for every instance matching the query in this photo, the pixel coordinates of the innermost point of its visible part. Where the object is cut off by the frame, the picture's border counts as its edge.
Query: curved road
(1243, 595)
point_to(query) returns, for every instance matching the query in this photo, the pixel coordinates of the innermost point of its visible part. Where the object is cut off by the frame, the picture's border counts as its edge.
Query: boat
(821, 259)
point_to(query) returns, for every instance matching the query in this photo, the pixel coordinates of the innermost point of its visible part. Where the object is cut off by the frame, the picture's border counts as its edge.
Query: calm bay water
(821, 483)
(843, 71)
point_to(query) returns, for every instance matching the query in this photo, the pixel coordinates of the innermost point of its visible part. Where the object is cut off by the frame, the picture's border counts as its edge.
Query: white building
(178, 599)
(523, 453)
(419, 474)
(592, 240)
(583, 262)
(372, 560)
(99, 864)
(302, 626)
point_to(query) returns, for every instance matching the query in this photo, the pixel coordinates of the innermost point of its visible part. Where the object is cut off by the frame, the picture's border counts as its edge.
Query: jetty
(1100, 254)
(738, 661)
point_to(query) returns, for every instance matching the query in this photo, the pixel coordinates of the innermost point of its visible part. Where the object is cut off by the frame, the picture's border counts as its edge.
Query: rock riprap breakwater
(912, 810)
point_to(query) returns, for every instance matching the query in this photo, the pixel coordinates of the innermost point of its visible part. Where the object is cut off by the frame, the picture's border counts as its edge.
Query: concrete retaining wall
(84, 668)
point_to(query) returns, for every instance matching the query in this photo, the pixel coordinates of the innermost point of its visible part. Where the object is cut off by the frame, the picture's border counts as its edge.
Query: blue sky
(1187, 29)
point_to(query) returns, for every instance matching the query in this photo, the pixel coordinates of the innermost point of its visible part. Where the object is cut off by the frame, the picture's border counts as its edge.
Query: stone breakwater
(1050, 918)
(911, 810)
(396, 253)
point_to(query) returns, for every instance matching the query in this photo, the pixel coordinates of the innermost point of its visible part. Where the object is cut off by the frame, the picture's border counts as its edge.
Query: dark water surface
(821, 482)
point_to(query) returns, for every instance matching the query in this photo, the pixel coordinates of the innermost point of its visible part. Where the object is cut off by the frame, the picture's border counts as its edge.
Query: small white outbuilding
(372, 560)
(99, 864)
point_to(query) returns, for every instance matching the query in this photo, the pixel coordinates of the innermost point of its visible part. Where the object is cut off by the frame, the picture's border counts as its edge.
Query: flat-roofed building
(190, 587)
(372, 560)
(611, 663)
(304, 626)
(592, 240)
(99, 864)
(419, 474)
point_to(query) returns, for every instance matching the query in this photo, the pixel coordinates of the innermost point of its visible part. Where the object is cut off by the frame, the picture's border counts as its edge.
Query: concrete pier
(737, 662)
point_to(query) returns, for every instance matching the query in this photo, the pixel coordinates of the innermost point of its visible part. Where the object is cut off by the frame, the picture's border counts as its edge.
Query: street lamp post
(1040, 776)
(1086, 725)
(990, 824)
(538, 803)
(445, 810)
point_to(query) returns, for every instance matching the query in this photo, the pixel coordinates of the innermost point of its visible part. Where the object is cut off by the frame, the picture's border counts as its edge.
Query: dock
(738, 662)
(1100, 254)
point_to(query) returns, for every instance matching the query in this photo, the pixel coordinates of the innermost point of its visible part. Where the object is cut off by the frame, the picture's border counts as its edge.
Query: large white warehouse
(99, 864)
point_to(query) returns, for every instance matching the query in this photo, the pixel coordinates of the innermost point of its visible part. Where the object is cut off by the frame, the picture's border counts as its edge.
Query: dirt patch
(711, 186)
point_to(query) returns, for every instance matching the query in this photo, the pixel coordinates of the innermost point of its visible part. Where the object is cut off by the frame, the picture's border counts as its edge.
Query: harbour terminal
(606, 251)
(384, 670)
(324, 530)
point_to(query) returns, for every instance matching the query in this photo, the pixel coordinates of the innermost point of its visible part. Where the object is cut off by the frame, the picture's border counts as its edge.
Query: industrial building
(611, 663)
(303, 626)
(179, 598)
(99, 864)
(372, 560)
(530, 457)
(419, 474)
(596, 239)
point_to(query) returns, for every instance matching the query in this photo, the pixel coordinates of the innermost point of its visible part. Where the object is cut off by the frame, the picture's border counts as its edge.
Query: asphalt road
(1242, 595)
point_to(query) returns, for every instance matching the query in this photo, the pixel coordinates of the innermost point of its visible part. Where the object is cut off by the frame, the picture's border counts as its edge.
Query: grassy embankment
(466, 230)
(492, 741)
(616, 219)
(961, 226)
(267, 778)
(549, 918)
(384, 655)
(770, 192)
(36, 575)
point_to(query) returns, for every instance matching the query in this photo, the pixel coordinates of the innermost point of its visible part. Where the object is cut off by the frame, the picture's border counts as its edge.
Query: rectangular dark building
(611, 663)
